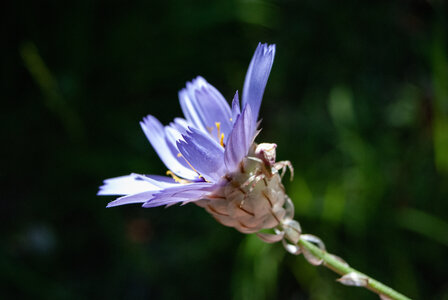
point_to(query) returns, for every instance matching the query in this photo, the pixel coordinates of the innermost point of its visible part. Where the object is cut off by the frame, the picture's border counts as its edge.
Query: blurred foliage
(357, 100)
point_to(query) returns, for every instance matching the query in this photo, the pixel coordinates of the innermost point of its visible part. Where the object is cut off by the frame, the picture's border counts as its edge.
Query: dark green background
(357, 100)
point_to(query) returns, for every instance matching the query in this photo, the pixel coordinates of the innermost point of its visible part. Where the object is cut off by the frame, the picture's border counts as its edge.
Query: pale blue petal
(180, 194)
(157, 180)
(190, 110)
(155, 133)
(240, 140)
(171, 138)
(180, 124)
(235, 107)
(133, 188)
(125, 185)
(204, 154)
(204, 107)
(211, 104)
(131, 199)
(257, 76)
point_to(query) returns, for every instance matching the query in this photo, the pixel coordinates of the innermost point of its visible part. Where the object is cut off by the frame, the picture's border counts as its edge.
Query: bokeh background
(357, 101)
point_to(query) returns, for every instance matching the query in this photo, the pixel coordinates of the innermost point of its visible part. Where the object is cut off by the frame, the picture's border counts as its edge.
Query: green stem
(340, 267)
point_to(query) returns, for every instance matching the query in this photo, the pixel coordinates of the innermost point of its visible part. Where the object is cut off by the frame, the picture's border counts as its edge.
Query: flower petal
(190, 110)
(180, 124)
(137, 188)
(235, 107)
(257, 76)
(240, 139)
(204, 106)
(134, 198)
(157, 180)
(180, 194)
(125, 185)
(155, 133)
(204, 154)
(171, 138)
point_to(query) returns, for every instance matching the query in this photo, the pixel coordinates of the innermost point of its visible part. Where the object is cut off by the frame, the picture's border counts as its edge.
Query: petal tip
(111, 204)
(266, 49)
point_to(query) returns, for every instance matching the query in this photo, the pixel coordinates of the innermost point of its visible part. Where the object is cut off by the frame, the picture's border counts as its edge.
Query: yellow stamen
(218, 126)
(200, 176)
(177, 179)
(180, 155)
(219, 134)
(221, 140)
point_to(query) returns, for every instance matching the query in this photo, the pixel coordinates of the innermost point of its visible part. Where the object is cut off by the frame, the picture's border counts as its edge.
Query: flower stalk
(357, 278)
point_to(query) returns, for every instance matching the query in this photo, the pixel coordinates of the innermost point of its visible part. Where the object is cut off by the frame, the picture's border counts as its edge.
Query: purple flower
(201, 149)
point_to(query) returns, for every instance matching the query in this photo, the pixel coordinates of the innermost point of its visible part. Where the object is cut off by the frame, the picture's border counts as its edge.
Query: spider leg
(253, 180)
(283, 166)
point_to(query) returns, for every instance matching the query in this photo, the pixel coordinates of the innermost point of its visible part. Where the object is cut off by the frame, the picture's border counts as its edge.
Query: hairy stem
(340, 267)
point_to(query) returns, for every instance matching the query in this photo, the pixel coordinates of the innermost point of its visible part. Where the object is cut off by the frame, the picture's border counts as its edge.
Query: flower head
(213, 161)
(211, 156)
